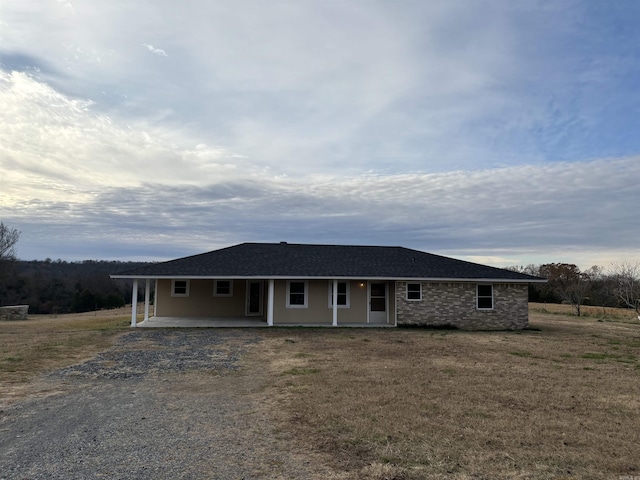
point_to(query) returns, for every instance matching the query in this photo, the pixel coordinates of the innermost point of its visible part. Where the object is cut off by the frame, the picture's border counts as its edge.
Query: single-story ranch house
(333, 285)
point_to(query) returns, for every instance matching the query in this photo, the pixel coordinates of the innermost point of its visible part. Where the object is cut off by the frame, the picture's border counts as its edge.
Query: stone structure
(14, 312)
(454, 305)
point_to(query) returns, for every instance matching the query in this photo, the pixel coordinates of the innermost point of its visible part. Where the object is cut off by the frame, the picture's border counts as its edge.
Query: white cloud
(65, 166)
(155, 51)
(330, 83)
(52, 141)
(437, 125)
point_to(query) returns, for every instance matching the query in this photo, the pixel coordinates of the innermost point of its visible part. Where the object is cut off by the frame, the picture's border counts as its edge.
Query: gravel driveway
(161, 404)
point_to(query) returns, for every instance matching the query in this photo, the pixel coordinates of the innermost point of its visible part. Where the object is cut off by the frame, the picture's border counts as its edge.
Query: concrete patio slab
(205, 322)
(200, 322)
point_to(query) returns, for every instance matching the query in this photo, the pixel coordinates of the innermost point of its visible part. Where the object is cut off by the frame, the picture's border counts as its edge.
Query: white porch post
(270, 297)
(147, 295)
(155, 299)
(134, 302)
(335, 303)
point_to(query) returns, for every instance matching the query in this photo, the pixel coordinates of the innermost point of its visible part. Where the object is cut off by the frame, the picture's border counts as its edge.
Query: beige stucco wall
(392, 303)
(318, 310)
(454, 304)
(315, 312)
(357, 311)
(201, 302)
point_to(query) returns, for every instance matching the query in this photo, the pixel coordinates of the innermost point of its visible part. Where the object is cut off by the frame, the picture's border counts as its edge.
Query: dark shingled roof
(272, 260)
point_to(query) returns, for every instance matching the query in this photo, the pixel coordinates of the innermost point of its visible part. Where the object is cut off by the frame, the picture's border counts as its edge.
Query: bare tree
(568, 283)
(600, 291)
(626, 284)
(8, 239)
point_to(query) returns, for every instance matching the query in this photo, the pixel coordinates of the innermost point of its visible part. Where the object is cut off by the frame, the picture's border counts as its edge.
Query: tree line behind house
(51, 287)
(56, 286)
(617, 286)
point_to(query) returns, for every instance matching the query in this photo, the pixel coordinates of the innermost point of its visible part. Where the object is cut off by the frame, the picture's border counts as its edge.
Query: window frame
(347, 294)
(215, 288)
(419, 292)
(305, 293)
(484, 297)
(186, 289)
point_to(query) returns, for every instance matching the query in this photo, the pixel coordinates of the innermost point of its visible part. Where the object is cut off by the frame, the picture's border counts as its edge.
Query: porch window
(179, 288)
(414, 291)
(484, 297)
(222, 288)
(297, 294)
(343, 294)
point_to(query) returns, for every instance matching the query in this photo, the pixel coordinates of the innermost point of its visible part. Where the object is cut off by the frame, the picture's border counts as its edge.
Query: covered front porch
(257, 312)
(241, 302)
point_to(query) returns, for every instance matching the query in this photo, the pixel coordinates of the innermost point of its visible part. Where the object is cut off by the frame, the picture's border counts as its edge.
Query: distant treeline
(619, 286)
(56, 286)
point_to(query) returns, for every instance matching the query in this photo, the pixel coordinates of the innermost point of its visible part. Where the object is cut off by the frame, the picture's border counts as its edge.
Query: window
(484, 297)
(414, 291)
(179, 288)
(222, 288)
(343, 294)
(296, 294)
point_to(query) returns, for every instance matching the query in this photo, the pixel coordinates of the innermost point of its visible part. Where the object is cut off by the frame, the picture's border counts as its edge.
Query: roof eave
(325, 277)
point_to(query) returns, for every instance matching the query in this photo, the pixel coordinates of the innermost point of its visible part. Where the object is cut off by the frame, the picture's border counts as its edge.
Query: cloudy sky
(495, 131)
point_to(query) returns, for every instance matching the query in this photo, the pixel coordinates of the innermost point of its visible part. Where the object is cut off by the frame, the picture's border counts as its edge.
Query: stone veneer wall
(14, 312)
(454, 304)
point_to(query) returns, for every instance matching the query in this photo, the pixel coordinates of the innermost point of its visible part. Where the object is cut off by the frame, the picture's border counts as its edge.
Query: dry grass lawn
(558, 401)
(46, 342)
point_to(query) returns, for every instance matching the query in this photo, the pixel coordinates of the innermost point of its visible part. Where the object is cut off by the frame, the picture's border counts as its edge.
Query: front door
(377, 302)
(254, 297)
